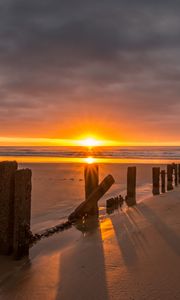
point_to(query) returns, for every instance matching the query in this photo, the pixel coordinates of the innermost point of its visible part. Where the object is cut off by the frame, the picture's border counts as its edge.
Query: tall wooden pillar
(22, 212)
(179, 173)
(131, 186)
(169, 177)
(91, 176)
(7, 173)
(175, 174)
(163, 181)
(156, 180)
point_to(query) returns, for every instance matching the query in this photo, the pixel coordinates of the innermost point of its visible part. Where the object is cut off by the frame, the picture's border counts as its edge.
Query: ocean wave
(103, 152)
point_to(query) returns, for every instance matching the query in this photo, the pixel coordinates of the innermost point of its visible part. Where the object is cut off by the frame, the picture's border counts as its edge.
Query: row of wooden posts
(159, 183)
(159, 178)
(15, 200)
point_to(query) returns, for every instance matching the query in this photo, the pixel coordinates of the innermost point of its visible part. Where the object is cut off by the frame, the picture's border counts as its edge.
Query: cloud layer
(69, 66)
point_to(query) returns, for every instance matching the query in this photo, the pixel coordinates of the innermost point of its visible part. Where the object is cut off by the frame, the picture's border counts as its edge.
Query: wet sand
(59, 188)
(132, 254)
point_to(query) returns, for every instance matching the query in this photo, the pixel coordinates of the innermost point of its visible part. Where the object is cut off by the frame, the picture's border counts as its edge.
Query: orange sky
(71, 131)
(79, 141)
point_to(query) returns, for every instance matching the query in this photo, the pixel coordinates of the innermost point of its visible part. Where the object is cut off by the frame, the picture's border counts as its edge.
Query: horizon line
(21, 141)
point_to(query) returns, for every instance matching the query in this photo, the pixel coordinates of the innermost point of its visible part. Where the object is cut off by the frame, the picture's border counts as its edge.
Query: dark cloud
(71, 58)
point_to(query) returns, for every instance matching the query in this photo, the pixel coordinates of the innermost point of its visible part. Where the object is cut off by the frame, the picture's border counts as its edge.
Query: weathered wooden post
(163, 181)
(131, 186)
(169, 177)
(91, 177)
(7, 173)
(179, 172)
(22, 213)
(156, 180)
(175, 167)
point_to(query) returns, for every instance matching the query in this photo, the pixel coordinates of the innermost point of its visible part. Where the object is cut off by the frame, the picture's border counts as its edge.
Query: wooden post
(131, 186)
(179, 172)
(7, 172)
(22, 213)
(169, 177)
(156, 178)
(175, 167)
(163, 181)
(91, 176)
(87, 207)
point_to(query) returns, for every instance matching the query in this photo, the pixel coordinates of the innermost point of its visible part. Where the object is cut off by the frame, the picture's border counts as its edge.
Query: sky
(71, 69)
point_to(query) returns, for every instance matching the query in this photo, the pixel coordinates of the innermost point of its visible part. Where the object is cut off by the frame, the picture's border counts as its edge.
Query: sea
(121, 152)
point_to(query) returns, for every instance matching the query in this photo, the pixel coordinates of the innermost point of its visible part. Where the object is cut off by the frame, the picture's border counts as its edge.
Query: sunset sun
(90, 142)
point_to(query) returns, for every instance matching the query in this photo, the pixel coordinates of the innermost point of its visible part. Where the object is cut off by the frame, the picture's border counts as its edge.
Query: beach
(57, 189)
(132, 254)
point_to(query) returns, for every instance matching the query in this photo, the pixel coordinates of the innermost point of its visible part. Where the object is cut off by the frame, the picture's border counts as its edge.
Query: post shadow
(134, 224)
(125, 241)
(169, 236)
(82, 271)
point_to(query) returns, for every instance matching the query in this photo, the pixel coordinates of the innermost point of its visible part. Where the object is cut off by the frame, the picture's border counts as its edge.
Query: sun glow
(90, 160)
(90, 142)
(84, 141)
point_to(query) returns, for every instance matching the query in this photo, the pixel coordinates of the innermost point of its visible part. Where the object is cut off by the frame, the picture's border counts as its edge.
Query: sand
(59, 188)
(133, 254)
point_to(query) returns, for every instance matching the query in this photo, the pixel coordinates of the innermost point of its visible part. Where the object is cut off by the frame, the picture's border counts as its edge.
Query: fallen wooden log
(88, 207)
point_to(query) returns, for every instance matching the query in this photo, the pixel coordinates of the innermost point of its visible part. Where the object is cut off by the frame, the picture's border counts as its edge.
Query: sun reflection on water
(90, 160)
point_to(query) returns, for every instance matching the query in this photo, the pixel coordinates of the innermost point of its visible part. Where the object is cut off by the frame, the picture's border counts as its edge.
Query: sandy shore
(133, 254)
(59, 188)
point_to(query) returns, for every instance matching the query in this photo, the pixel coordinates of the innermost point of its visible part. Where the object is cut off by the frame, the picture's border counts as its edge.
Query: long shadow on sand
(75, 271)
(169, 236)
(125, 242)
(82, 268)
(130, 239)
